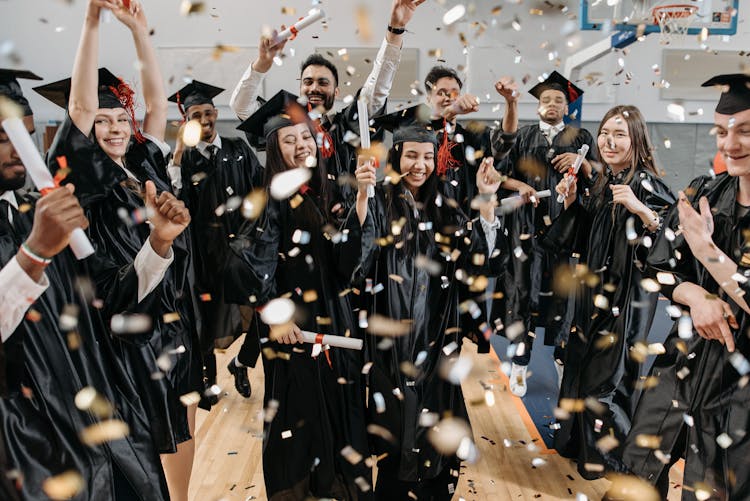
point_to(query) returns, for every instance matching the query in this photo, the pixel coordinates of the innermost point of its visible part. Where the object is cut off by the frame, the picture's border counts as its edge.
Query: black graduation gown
(697, 377)
(530, 161)
(207, 185)
(431, 304)
(598, 366)
(321, 404)
(111, 208)
(40, 422)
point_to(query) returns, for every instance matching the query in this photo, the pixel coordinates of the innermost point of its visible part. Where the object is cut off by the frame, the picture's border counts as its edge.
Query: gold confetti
(648, 441)
(191, 398)
(168, 318)
(380, 325)
(63, 486)
(89, 400)
(104, 431)
(310, 296)
(188, 7)
(630, 488)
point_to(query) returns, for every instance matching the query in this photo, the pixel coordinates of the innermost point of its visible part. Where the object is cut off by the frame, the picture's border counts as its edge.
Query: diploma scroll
(539, 195)
(335, 341)
(573, 171)
(312, 17)
(364, 134)
(41, 177)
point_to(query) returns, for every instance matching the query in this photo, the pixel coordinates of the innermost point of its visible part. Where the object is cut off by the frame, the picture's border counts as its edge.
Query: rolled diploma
(575, 167)
(539, 194)
(41, 176)
(335, 341)
(312, 17)
(364, 134)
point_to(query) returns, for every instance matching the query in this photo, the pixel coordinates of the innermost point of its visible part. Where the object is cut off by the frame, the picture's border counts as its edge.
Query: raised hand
(488, 179)
(564, 161)
(507, 88)
(623, 194)
(402, 12)
(696, 228)
(365, 174)
(288, 335)
(712, 318)
(266, 52)
(130, 13)
(57, 214)
(567, 187)
(168, 217)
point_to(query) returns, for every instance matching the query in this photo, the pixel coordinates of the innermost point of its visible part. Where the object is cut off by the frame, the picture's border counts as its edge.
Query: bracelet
(37, 259)
(396, 31)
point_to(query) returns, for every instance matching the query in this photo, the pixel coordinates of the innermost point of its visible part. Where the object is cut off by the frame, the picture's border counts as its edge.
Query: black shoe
(209, 398)
(241, 382)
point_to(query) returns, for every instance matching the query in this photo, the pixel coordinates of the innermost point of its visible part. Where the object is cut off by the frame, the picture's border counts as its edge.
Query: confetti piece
(448, 434)
(104, 431)
(89, 400)
(130, 323)
(630, 488)
(63, 486)
(287, 183)
(188, 7)
(191, 133)
(454, 14)
(380, 325)
(191, 398)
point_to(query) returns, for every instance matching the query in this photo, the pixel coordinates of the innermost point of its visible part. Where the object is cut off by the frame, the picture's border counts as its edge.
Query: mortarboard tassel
(126, 96)
(445, 159)
(180, 108)
(326, 142)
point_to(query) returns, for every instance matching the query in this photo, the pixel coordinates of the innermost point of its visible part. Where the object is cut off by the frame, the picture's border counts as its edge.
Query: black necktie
(212, 150)
(4, 207)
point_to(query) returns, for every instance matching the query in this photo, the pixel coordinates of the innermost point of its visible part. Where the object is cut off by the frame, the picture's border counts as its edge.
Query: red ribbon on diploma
(319, 340)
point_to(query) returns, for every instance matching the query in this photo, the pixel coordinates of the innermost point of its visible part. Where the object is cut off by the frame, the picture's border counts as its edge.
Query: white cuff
(19, 291)
(150, 268)
(175, 176)
(378, 85)
(164, 147)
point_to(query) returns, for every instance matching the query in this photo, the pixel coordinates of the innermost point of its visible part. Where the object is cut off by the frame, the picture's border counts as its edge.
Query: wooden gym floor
(228, 462)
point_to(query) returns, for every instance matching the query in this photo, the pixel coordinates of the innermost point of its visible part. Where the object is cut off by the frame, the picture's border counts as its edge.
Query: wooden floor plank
(228, 463)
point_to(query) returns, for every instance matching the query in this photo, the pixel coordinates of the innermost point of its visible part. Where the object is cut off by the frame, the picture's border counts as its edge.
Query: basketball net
(673, 20)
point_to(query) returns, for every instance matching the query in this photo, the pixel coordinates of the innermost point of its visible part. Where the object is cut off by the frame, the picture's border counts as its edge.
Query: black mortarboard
(10, 88)
(556, 81)
(195, 93)
(735, 96)
(59, 92)
(409, 124)
(282, 110)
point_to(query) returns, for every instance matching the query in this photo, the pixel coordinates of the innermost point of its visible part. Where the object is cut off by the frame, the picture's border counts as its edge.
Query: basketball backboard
(719, 17)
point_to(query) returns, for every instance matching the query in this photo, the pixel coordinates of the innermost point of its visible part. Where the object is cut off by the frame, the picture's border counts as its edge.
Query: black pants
(389, 488)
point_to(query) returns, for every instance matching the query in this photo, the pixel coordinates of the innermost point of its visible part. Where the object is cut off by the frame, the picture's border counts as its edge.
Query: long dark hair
(397, 205)
(641, 149)
(321, 188)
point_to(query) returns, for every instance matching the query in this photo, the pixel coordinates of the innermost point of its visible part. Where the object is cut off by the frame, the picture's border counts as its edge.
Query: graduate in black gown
(540, 157)
(463, 145)
(698, 407)
(411, 286)
(213, 178)
(315, 439)
(57, 346)
(115, 166)
(610, 225)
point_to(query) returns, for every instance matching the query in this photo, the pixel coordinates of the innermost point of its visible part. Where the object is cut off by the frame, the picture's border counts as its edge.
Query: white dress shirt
(175, 171)
(18, 291)
(550, 131)
(375, 89)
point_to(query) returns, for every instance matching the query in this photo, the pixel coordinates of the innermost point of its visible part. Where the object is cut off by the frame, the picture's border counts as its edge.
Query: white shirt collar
(203, 146)
(544, 126)
(10, 196)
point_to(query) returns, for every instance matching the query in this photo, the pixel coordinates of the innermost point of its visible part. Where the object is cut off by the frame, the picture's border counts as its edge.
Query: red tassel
(126, 96)
(326, 142)
(182, 111)
(445, 159)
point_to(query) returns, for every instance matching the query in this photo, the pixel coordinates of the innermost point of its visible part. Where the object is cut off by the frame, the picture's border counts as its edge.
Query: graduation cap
(409, 124)
(556, 81)
(282, 110)
(10, 88)
(195, 93)
(735, 96)
(113, 92)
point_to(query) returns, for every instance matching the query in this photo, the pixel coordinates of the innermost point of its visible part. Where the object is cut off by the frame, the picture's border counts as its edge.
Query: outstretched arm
(378, 85)
(243, 101)
(84, 101)
(155, 121)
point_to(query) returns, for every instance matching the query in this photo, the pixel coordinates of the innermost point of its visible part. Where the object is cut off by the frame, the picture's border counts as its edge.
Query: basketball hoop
(674, 19)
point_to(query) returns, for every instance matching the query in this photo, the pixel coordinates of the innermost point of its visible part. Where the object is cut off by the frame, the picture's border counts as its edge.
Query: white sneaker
(560, 369)
(518, 380)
